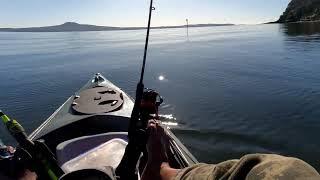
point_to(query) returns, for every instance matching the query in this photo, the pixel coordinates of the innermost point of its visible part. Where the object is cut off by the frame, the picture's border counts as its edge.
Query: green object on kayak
(18, 132)
(4, 117)
(12, 125)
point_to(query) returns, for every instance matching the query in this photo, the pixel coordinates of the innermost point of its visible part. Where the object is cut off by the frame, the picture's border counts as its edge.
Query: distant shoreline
(75, 27)
(295, 22)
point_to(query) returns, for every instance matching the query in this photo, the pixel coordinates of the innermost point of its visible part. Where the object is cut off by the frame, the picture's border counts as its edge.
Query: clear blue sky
(25, 13)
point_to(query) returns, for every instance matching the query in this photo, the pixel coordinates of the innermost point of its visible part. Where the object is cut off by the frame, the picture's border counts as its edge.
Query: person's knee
(284, 168)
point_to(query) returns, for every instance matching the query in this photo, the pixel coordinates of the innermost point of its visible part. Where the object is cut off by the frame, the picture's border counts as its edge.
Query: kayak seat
(94, 151)
(92, 174)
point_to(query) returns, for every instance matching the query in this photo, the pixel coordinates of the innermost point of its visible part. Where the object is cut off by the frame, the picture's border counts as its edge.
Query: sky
(128, 13)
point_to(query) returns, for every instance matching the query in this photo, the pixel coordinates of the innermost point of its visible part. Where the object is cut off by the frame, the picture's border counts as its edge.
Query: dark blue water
(234, 90)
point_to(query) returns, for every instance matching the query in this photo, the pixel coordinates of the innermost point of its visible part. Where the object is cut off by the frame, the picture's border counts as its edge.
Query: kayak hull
(75, 137)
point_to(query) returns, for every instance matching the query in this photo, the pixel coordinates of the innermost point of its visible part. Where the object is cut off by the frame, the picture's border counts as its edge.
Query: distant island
(72, 26)
(301, 11)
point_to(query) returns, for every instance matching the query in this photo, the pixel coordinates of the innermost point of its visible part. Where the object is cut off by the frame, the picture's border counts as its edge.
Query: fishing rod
(127, 168)
(147, 42)
(140, 86)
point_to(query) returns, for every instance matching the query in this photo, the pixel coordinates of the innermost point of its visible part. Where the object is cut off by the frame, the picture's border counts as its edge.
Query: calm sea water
(234, 90)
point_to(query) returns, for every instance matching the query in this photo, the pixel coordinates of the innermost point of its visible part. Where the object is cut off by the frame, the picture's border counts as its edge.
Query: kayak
(90, 130)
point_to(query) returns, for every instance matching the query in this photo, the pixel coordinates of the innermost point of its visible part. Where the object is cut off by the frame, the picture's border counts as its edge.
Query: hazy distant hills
(301, 10)
(72, 26)
(68, 26)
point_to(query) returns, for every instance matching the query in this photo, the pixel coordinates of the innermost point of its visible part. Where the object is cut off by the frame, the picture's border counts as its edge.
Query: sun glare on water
(161, 78)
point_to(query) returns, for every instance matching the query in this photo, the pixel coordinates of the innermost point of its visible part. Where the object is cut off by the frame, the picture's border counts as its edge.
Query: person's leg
(157, 167)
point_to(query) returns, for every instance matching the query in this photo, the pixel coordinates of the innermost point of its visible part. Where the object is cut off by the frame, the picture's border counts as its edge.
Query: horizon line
(227, 23)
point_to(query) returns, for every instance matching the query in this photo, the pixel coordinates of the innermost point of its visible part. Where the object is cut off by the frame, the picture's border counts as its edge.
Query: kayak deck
(76, 134)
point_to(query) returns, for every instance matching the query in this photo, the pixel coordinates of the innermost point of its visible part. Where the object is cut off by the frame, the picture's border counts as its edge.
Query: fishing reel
(148, 109)
(150, 102)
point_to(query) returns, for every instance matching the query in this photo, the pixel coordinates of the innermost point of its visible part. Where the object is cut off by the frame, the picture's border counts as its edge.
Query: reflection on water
(301, 37)
(297, 29)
